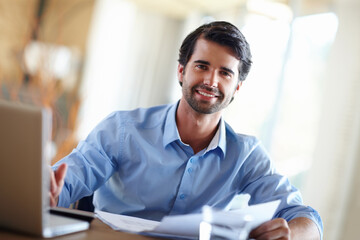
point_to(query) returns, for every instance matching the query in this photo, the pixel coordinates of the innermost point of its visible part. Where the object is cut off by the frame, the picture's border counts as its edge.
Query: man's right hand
(56, 183)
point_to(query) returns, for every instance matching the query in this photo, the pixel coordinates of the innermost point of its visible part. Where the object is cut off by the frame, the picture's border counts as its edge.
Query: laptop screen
(24, 133)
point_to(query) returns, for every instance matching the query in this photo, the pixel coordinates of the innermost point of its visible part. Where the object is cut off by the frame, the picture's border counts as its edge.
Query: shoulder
(248, 148)
(251, 155)
(117, 126)
(140, 116)
(240, 139)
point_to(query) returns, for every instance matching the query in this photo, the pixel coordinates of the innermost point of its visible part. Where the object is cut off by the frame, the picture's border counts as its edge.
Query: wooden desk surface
(98, 231)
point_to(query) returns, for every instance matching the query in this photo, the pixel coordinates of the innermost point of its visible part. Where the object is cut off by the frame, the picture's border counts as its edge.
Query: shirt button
(190, 170)
(182, 196)
(191, 160)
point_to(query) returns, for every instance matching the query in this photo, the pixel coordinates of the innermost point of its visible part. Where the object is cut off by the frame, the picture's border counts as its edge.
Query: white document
(187, 226)
(126, 223)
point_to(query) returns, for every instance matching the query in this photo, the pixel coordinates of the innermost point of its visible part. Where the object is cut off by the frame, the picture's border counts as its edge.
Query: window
(280, 100)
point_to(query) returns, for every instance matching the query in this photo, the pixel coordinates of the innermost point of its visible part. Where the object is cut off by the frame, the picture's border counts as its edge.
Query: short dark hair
(225, 34)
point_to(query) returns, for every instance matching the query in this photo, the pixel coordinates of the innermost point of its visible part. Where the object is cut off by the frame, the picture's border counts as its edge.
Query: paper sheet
(126, 223)
(187, 225)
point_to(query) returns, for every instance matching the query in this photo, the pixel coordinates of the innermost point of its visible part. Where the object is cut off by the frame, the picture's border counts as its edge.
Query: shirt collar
(171, 132)
(219, 140)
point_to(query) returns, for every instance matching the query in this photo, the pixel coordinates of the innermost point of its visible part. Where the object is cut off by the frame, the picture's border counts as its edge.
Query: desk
(98, 231)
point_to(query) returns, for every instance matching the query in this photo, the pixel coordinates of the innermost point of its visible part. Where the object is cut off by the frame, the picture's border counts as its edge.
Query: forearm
(303, 228)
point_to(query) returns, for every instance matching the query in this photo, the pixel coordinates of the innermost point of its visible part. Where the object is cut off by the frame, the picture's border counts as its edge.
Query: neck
(196, 129)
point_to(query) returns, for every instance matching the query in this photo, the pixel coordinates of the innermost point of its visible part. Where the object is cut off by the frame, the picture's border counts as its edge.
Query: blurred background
(87, 58)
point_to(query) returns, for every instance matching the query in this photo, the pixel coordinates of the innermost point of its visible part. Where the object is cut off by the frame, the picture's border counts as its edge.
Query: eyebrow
(208, 63)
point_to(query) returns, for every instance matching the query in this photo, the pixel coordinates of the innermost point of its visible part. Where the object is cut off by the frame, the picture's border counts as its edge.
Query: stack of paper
(187, 226)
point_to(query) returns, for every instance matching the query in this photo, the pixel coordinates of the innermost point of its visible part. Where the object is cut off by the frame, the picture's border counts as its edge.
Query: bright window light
(280, 100)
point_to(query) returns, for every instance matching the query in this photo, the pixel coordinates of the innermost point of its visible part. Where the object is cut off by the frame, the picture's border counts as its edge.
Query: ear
(239, 84)
(180, 72)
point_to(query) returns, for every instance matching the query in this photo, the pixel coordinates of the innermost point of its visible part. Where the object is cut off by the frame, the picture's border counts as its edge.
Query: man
(173, 159)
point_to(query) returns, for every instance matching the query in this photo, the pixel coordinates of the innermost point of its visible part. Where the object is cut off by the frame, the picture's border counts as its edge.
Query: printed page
(187, 226)
(126, 223)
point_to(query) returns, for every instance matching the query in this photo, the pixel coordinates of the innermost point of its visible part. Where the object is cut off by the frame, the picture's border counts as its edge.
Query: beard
(205, 107)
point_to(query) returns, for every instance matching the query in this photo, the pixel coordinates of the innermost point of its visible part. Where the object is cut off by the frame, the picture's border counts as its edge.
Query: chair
(85, 204)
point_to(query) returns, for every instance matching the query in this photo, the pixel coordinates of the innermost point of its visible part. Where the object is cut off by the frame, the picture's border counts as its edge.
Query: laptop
(24, 173)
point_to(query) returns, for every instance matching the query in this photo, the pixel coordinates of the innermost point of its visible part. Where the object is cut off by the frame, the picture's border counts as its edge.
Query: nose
(211, 79)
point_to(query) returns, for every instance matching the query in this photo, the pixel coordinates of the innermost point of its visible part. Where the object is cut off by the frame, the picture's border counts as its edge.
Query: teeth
(206, 94)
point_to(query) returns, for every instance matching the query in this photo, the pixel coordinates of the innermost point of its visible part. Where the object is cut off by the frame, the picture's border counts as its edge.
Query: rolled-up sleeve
(265, 184)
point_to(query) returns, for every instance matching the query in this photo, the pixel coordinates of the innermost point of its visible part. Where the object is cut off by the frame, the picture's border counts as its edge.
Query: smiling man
(176, 158)
(209, 82)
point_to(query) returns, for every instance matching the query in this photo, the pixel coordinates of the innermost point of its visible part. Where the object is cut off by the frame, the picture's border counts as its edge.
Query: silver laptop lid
(24, 132)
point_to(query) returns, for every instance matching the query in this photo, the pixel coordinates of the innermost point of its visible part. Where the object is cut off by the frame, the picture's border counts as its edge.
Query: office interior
(87, 58)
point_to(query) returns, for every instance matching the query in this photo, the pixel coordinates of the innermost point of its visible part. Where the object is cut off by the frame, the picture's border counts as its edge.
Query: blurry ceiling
(183, 8)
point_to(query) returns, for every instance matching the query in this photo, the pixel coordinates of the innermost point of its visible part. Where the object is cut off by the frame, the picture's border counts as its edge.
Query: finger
(278, 234)
(52, 200)
(53, 185)
(59, 178)
(56, 183)
(275, 228)
(271, 225)
(60, 174)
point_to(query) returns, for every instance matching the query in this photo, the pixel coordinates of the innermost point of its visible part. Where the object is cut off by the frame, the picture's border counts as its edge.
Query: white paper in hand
(187, 226)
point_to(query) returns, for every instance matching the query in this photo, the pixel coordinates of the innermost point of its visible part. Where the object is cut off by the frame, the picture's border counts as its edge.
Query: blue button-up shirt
(137, 165)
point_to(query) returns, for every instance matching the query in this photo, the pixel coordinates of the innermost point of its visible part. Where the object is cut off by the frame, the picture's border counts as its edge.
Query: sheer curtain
(333, 185)
(131, 61)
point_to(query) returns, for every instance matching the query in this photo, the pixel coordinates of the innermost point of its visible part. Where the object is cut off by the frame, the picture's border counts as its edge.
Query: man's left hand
(277, 228)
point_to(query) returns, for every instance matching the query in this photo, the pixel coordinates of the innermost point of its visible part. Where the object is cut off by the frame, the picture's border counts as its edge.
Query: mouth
(206, 94)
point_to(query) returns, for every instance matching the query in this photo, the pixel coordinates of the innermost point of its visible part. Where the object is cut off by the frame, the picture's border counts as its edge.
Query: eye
(201, 66)
(226, 74)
